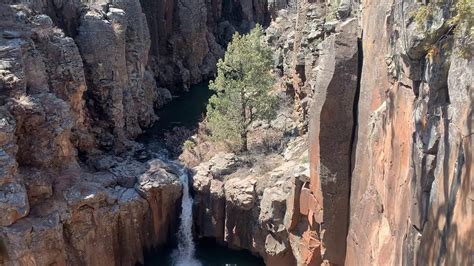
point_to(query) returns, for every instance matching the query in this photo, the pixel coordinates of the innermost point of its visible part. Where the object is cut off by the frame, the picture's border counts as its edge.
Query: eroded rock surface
(387, 102)
(389, 113)
(71, 99)
(243, 208)
(189, 36)
(413, 157)
(94, 216)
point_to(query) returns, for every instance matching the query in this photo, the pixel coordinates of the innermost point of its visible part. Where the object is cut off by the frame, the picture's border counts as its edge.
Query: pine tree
(242, 87)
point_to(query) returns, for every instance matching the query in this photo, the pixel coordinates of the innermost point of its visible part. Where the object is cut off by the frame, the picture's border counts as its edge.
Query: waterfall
(184, 254)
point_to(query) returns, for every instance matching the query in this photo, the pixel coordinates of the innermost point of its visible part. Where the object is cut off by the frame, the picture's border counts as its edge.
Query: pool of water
(186, 110)
(208, 253)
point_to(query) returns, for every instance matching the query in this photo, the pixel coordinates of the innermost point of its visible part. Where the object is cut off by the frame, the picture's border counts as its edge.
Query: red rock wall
(412, 159)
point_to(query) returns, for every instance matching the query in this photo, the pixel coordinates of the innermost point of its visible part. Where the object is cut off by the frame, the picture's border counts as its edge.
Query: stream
(188, 110)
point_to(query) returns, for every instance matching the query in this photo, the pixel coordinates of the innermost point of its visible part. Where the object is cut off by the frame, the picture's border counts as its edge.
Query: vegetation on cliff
(461, 20)
(243, 84)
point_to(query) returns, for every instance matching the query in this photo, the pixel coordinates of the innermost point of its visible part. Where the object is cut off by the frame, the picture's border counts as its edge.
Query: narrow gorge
(106, 157)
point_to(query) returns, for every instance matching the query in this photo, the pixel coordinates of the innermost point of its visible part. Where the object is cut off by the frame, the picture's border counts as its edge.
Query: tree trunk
(243, 133)
(243, 137)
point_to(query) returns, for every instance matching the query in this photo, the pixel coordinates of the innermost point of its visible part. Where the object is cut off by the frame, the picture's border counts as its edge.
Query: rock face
(114, 42)
(90, 222)
(244, 208)
(75, 89)
(413, 158)
(189, 36)
(390, 143)
(71, 98)
(331, 133)
(382, 103)
(411, 148)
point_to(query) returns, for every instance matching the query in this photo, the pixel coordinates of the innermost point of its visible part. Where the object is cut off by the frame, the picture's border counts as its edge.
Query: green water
(186, 109)
(208, 253)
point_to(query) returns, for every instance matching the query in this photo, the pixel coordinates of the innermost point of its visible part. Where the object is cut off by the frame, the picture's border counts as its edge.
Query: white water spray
(184, 254)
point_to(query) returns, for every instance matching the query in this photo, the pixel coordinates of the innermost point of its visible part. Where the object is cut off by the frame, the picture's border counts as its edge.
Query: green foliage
(422, 15)
(462, 20)
(331, 9)
(242, 87)
(189, 144)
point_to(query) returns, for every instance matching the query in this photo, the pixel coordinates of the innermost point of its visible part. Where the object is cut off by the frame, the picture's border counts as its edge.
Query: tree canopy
(243, 89)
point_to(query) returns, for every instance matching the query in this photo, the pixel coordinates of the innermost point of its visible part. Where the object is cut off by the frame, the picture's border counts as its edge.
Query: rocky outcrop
(89, 222)
(316, 51)
(330, 139)
(390, 115)
(14, 200)
(245, 208)
(68, 95)
(411, 143)
(114, 42)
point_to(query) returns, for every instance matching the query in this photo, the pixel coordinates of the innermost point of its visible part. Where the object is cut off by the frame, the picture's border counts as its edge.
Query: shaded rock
(331, 129)
(188, 37)
(344, 9)
(13, 195)
(34, 240)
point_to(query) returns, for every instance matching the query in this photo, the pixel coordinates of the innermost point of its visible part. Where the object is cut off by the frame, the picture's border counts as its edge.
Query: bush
(189, 144)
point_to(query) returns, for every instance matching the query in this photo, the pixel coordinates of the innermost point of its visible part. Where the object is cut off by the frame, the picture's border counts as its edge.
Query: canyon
(369, 161)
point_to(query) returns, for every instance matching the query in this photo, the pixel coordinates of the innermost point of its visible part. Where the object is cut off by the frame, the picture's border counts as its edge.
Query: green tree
(243, 85)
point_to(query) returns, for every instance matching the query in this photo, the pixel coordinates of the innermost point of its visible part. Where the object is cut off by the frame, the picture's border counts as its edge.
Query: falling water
(184, 254)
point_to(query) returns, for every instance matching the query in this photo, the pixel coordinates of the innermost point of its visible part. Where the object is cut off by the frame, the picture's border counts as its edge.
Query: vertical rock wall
(74, 91)
(391, 163)
(410, 184)
(331, 131)
(189, 36)
(409, 180)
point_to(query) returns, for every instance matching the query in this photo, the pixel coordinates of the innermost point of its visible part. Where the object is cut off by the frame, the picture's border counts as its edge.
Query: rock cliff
(77, 85)
(413, 155)
(74, 89)
(374, 163)
(387, 101)
(189, 36)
